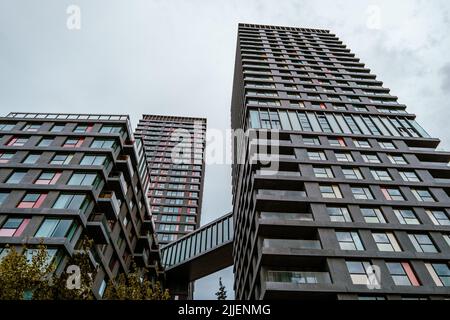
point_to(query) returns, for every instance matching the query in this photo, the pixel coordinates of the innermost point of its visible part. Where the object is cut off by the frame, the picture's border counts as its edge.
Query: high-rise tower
(64, 177)
(175, 151)
(358, 206)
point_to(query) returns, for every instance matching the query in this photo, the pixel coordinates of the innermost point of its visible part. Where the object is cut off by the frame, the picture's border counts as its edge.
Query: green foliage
(31, 276)
(23, 275)
(135, 287)
(222, 293)
(87, 273)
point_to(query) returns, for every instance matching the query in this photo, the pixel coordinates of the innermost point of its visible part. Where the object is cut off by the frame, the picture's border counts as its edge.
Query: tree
(25, 273)
(134, 286)
(81, 288)
(29, 274)
(222, 293)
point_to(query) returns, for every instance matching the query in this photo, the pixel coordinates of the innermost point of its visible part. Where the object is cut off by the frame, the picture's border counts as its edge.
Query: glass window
(32, 158)
(349, 241)
(61, 159)
(48, 178)
(32, 127)
(370, 158)
(373, 215)
(32, 200)
(16, 177)
(323, 173)
(294, 121)
(93, 160)
(304, 122)
(352, 124)
(352, 173)
(17, 142)
(73, 142)
(45, 142)
(331, 191)
(82, 128)
(311, 141)
(402, 274)
(343, 157)
(56, 228)
(409, 176)
(339, 214)
(285, 124)
(254, 119)
(83, 179)
(6, 126)
(439, 217)
(440, 272)
(3, 196)
(362, 144)
(381, 175)
(359, 272)
(447, 239)
(71, 201)
(58, 128)
(13, 227)
(5, 157)
(392, 194)
(313, 155)
(422, 195)
(336, 142)
(102, 288)
(406, 216)
(422, 243)
(397, 159)
(387, 145)
(103, 144)
(386, 241)
(362, 193)
(111, 129)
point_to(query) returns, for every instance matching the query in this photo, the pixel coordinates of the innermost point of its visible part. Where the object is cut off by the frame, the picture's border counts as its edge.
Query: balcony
(292, 244)
(108, 203)
(118, 183)
(269, 158)
(125, 165)
(287, 216)
(301, 277)
(274, 173)
(97, 228)
(280, 194)
(145, 241)
(142, 259)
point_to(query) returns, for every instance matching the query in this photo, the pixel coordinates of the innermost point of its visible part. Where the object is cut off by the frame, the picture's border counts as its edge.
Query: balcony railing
(282, 193)
(291, 244)
(111, 197)
(278, 173)
(287, 216)
(301, 277)
(67, 116)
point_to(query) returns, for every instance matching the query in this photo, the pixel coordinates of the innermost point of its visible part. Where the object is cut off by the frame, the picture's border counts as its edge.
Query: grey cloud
(177, 57)
(445, 71)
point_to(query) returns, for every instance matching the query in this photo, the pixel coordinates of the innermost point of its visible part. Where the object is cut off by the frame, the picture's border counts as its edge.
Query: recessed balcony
(280, 194)
(291, 244)
(300, 277)
(97, 228)
(109, 203)
(118, 183)
(287, 216)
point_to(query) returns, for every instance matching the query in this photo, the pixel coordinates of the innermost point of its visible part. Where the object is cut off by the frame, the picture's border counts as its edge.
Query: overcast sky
(177, 58)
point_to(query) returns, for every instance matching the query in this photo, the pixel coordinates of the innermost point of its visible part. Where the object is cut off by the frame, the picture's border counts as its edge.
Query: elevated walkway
(200, 253)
